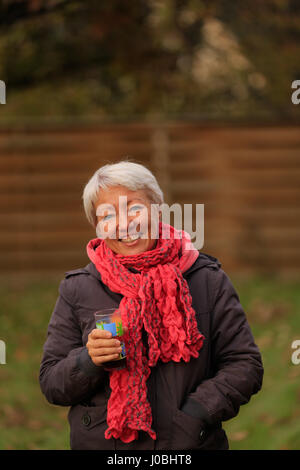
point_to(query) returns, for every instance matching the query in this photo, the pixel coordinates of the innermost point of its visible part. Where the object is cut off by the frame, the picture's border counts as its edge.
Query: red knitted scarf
(158, 300)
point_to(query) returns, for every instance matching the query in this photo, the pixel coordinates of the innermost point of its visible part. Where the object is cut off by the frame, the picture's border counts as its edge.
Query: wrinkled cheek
(106, 230)
(154, 225)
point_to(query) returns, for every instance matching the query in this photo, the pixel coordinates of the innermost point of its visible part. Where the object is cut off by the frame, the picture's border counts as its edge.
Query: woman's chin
(129, 249)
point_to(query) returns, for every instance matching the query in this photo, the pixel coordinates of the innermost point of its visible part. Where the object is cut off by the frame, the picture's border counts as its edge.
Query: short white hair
(132, 176)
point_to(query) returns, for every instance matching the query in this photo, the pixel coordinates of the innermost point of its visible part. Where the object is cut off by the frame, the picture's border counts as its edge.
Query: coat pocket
(87, 427)
(187, 432)
(191, 433)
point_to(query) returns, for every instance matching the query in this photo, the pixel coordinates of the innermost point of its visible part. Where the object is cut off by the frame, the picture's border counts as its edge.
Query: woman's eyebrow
(135, 199)
(109, 210)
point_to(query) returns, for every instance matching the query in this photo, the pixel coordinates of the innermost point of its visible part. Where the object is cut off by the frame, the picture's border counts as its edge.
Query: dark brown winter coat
(189, 401)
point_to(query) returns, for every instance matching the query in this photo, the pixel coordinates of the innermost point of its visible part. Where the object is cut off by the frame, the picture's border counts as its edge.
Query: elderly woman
(191, 360)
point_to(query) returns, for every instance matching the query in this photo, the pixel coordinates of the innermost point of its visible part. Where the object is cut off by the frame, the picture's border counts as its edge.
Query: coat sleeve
(67, 373)
(236, 363)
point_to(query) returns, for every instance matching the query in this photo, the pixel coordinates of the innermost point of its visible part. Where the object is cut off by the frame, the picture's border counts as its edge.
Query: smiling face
(124, 220)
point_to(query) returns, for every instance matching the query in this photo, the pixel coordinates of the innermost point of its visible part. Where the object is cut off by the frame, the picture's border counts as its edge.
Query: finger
(104, 351)
(103, 359)
(103, 343)
(97, 333)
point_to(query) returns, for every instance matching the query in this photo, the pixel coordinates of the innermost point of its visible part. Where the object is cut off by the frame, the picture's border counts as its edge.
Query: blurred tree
(213, 58)
(12, 11)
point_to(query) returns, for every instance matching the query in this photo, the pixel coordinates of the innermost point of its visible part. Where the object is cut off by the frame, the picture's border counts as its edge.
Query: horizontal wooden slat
(25, 240)
(24, 260)
(73, 139)
(264, 159)
(43, 182)
(269, 197)
(235, 137)
(279, 179)
(60, 161)
(70, 220)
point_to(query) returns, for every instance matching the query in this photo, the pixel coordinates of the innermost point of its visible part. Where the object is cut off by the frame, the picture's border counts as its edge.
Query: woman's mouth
(131, 240)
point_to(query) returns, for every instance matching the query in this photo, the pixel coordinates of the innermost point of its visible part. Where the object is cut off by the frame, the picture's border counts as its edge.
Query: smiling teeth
(128, 240)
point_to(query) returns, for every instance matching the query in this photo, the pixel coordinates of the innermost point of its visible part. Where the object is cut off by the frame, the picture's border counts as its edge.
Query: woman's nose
(122, 226)
(126, 226)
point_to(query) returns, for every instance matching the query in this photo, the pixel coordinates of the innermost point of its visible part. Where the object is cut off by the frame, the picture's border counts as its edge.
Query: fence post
(160, 160)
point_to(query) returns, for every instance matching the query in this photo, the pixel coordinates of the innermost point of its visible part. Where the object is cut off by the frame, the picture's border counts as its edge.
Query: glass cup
(109, 319)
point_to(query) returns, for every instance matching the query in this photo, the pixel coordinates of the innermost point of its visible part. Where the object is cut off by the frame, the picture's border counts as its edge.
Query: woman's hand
(102, 347)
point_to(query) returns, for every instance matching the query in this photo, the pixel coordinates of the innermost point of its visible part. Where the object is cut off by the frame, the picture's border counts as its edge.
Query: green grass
(28, 421)
(269, 421)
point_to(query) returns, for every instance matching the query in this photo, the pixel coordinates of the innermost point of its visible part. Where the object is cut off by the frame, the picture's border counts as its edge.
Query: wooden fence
(248, 179)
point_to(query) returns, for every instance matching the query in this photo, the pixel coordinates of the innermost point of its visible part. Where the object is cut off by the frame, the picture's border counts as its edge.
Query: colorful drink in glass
(109, 319)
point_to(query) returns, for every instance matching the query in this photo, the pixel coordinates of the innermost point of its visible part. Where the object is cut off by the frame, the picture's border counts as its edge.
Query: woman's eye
(108, 216)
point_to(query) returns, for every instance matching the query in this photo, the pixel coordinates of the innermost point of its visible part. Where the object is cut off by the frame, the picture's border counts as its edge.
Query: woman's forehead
(111, 195)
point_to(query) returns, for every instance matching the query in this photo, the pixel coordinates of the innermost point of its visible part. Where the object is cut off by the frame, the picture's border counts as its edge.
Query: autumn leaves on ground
(269, 421)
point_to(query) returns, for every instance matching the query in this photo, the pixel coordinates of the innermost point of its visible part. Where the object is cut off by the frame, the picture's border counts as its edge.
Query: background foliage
(214, 59)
